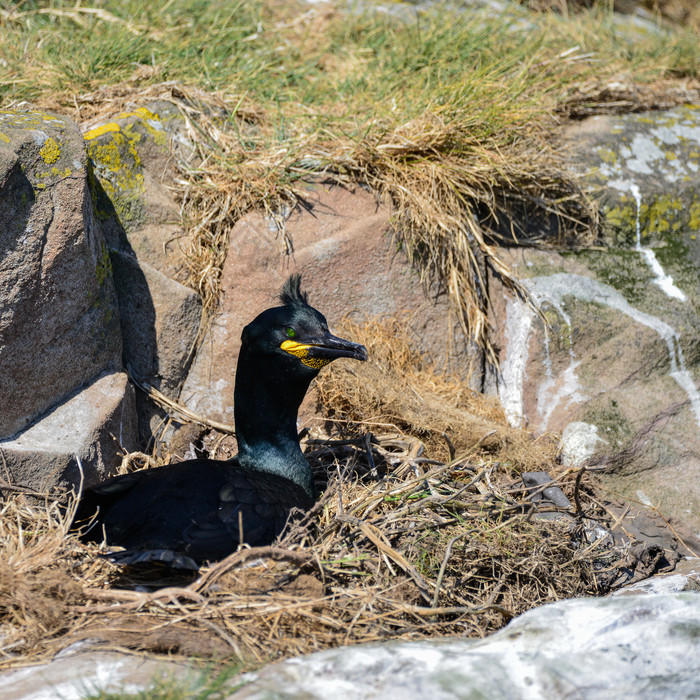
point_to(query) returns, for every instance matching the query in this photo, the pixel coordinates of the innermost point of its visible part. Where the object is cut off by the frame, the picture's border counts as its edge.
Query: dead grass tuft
(39, 575)
(397, 386)
(459, 188)
(624, 95)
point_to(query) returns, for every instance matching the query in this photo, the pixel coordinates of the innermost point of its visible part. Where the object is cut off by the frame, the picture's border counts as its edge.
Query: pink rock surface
(350, 265)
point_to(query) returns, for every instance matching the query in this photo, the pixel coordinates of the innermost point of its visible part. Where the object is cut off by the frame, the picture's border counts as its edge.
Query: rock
(638, 646)
(133, 158)
(75, 674)
(647, 169)
(341, 246)
(616, 371)
(134, 164)
(59, 324)
(579, 442)
(617, 368)
(541, 492)
(94, 426)
(685, 577)
(160, 322)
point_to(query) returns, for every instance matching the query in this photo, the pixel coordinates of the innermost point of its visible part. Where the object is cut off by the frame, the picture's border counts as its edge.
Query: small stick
(443, 566)
(450, 446)
(165, 402)
(577, 485)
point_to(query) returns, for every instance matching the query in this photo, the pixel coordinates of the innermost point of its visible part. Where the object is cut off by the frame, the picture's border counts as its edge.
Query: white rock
(635, 647)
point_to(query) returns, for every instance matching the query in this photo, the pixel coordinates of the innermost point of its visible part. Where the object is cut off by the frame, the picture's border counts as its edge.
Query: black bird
(200, 510)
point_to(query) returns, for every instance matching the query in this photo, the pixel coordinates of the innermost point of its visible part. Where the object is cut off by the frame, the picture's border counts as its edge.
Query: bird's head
(297, 334)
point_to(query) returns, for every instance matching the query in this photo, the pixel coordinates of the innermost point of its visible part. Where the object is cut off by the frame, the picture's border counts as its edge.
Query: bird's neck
(266, 405)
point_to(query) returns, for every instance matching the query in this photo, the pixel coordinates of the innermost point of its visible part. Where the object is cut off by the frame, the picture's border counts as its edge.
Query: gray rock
(133, 157)
(160, 322)
(75, 674)
(639, 647)
(624, 370)
(685, 577)
(59, 325)
(646, 169)
(537, 484)
(94, 426)
(341, 245)
(160, 317)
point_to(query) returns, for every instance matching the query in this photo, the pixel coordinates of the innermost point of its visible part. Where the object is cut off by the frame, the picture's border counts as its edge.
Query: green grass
(450, 116)
(206, 685)
(298, 69)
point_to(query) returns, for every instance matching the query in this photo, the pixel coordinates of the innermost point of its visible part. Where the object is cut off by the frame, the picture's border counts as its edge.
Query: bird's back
(202, 509)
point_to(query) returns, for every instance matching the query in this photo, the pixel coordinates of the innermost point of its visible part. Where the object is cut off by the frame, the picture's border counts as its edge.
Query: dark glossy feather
(197, 508)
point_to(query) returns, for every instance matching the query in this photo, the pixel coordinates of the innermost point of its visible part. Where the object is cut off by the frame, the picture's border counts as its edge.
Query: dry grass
(399, 387)
(402, 544)
(457, 194)
(40, 571)
(683, 12)
(426, 550)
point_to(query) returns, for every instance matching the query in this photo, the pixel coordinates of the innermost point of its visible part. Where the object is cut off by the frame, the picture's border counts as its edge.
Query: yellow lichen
(50, 151)
(140, 112)
(58, 173)
(694, 215)
(119, 170)
(99, 130)
(607, 155)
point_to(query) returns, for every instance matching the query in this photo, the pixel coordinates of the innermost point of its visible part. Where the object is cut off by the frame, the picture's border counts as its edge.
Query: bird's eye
(291, 333)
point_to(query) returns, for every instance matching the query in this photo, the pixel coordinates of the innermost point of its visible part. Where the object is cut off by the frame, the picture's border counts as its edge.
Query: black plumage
(201, 510)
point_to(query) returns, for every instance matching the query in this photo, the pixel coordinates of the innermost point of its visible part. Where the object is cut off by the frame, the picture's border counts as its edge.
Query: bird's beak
(317, 352)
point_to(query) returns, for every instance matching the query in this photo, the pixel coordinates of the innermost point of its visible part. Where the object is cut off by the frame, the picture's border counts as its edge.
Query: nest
(399, 546)
(423, 529)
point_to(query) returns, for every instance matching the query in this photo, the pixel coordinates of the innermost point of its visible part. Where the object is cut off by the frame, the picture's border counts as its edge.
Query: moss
(559, 330)
(674, 256)
(103, 269)
(612, 426)
(621, 268)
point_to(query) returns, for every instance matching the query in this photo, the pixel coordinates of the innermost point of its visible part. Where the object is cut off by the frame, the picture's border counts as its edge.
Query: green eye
(291, 333)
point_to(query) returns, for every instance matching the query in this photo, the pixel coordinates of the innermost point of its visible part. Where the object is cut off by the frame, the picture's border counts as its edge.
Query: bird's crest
(291, 294)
